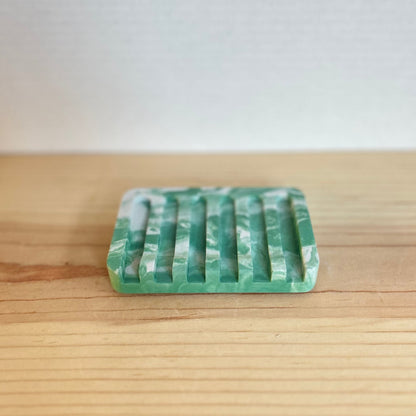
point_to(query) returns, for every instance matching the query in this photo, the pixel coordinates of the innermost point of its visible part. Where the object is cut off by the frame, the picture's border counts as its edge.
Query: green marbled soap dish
(197, 240)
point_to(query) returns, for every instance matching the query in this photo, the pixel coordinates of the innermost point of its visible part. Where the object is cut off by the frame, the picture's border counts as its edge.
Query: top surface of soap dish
(197, 240)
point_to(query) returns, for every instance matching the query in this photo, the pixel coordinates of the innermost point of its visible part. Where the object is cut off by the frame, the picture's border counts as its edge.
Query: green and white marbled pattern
(194, 240)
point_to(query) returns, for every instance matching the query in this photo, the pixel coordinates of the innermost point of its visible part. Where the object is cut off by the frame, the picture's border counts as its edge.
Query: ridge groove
(197, 240)
(228, 241)
(166, 243)
(259, 245)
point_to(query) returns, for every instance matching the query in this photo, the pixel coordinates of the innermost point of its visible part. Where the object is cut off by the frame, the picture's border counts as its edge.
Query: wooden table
(70, 345)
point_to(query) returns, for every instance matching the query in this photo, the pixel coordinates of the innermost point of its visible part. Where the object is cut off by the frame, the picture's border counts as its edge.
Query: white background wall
(210, 75)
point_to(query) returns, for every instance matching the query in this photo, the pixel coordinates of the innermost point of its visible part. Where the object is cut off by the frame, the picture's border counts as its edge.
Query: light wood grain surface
(70, 345)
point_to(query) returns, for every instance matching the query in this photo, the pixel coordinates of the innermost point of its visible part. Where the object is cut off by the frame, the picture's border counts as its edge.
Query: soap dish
(217, 240)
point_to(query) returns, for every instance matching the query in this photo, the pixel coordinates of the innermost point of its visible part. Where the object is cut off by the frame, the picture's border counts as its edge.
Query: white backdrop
(209, 75)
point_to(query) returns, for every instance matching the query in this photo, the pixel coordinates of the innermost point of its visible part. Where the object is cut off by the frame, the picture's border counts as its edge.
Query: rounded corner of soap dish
(128, 194)
(296, 192)
(311, 286)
